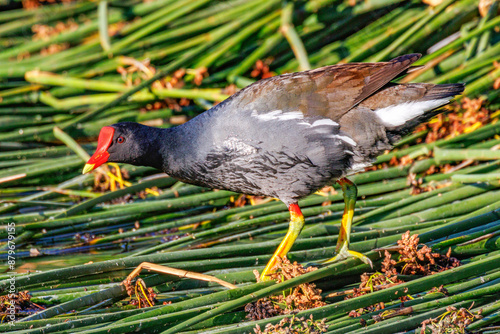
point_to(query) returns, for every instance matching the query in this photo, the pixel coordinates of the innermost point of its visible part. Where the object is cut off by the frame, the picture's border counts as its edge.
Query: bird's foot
(345, 253)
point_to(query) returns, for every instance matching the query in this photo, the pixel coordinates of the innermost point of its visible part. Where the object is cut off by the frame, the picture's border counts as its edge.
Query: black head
(126, 142)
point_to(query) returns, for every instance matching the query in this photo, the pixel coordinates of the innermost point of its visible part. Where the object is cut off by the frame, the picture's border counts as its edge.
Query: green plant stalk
(86, 205)
(238, 225)
(459, 42)
(486, 36)
(102, 17)
(259, 210)
(96, 223)
(51, 79)
(444, 24)
(288, 30)
(83, 324)
(71, 143)
(488, 318)
(67, 59)
(476, 218)
(445, 211)
(38, 61)
(482, 133)
(197, 26)
(441, 198)
(401, 323)
(431, 14)
(144, 8)
(231, 228)
(211, 299)
(144, 207)
(144, 96)
(180, 259)
(385, 295)
(224, 47)
(461, 72)
(161, 8)
(163, 72)
(44, 152)
(484, 244)
(193, 219)
(476, 178)
(470, 234)
(377, 37)
(460, 155)
(41, 168)
(71, 36)
(379, 212)
(214, 36)
(118, 291)
(208, 13)
(480, 85)
(363, 191)
(73, 320)
(161, 18)
(80, 180)
(342, 323)
(267, 46)
(60, 13)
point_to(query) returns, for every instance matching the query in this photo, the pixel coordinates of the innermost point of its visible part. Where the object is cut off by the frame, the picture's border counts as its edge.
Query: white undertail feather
(399, 114)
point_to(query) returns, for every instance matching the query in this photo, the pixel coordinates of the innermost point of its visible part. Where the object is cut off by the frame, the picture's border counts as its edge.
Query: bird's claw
(345, 253)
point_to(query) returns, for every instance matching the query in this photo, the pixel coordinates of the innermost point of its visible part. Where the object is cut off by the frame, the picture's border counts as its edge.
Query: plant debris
(32, 4)
(414, 259)
(21, 302)
(261, 69)
(108, 179)
(302, 297)
(419, 259)
(453, 321)
(370, 283)
(465, 117)
(144, 296)
(294, 325)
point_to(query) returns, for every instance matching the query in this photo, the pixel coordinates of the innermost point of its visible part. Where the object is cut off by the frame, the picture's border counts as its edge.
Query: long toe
(345, 253)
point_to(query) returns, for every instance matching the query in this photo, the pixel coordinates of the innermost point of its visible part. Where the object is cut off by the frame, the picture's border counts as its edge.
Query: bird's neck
(169, 149)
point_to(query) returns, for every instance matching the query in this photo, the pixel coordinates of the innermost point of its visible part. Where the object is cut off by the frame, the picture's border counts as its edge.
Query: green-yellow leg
(350, 193)
(296, 225)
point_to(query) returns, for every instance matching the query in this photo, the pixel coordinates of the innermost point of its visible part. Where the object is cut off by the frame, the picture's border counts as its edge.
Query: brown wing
(329, 91)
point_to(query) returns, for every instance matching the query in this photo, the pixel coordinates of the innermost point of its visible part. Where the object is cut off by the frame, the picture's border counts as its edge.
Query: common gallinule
(287, 136)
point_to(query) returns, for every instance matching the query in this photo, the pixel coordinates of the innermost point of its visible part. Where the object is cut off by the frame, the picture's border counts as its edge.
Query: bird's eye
(120, 140)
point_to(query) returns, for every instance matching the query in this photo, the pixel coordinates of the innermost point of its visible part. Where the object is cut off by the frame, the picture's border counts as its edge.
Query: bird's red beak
(101, 154)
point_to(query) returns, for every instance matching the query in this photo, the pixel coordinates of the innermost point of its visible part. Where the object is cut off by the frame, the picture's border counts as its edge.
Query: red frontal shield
(101, 154)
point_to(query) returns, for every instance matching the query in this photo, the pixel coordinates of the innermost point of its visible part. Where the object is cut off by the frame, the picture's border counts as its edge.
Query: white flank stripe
(399, 114)
(324, 121)
(346, 139)
(278, 115)
(357, 167)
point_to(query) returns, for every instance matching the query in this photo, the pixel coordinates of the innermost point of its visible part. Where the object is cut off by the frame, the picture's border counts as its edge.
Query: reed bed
(69, 68)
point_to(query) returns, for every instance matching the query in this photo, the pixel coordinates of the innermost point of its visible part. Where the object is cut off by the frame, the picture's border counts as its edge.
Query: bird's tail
(423, 109)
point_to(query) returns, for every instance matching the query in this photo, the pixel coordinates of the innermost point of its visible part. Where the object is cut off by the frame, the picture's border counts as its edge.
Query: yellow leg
(350, 193)
(296, 225)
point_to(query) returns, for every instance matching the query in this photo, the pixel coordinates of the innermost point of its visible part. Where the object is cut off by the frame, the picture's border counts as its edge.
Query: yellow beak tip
(87, 168)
